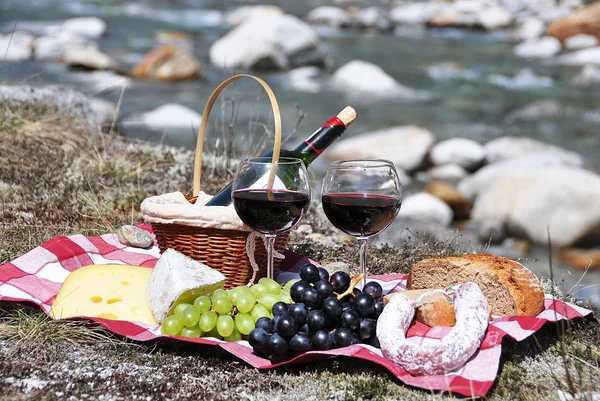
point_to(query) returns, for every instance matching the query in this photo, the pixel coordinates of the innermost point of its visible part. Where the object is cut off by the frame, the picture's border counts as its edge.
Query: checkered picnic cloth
(38, 275)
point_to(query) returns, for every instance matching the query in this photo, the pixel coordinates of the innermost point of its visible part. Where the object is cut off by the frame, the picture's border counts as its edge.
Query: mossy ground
(59, 177)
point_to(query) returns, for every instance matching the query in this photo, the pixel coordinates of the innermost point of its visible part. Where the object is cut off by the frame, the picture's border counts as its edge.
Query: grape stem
(350, 289)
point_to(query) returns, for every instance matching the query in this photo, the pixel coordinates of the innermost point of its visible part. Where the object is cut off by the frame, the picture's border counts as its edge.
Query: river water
(476, 106)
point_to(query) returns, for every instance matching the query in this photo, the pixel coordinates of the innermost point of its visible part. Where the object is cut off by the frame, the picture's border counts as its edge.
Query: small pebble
(134, 236)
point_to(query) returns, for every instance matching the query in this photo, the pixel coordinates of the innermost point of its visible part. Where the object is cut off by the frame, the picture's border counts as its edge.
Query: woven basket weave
(223, 250)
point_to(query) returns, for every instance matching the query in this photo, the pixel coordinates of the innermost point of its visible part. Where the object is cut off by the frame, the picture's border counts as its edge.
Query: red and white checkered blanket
(37, 277)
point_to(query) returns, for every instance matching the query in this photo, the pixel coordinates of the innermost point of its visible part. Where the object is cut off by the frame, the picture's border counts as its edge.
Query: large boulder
(276, 42)
(405, 146)
(16, 46)
(168, 63)
(92, 27)
(581, 57)
(363, 78)
(512, 147)
(462, 151)
(426, 208)
(332, 16)
(478, 183)
(529, 202)
(583, 20)
(544, 47)
(244, 13)
(88, 55)
(52, 47)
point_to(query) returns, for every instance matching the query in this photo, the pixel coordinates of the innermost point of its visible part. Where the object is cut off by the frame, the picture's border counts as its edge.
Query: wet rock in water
(405, 146)
(304, 79)
(588, 77)
(581, 41)
(488, 231)
(525, 79)
(544, 47)
(277, 42)
(460, 204)
(337, 267)
(331, 16)
(52, 47)
(448, 172)
(102, 80)
(581, 258)
(135, 237)
(92, 27)
(242, 14)
(512, 147)
(585, 20)
(539, 110)
(363, 78)
(16, 46)
(372, 18)
(168, 63)
(174, 38)
(529, 201)
(172, 117)
(37, 28)
(530, 28)
(412, 13)
(581, 57)
(462, 151)
(494, 17)
(448, 71)
(89, 56)
(426, 208)
(478, 182)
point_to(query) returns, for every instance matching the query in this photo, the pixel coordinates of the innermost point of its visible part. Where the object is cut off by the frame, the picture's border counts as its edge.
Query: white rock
(580, 41)
(476, 183)
(524, 80)
(89, 56)
(462, 151)
(554, 13)
(16, 46)
(329, 16)
(544, 47)
(412, 13)
(279, 41)
(539, 110)
(241, 14)
(426, 208)
(565, 199)
(450, 172)
(304, 79)
(177, 278)
(589, 76)
(52, 47)
(171, 116)
(493, 18)
(581, 57)
(530, 28)
(512, 147)
(448, 71)
(373, 17)
(92, 27)
(37, 28)
(405, 146)
(363, 78)
(102, 81)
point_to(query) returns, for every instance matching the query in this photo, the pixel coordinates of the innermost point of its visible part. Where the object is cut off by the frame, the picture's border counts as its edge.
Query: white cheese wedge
(177, 278)
(115, 292)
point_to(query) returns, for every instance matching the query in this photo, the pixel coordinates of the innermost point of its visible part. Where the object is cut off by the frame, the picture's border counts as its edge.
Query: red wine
(307, 151)
(269, 216)
(360, 215)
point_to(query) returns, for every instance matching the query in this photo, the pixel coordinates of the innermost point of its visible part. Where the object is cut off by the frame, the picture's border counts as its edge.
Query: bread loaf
(433, 310)
(510, 288)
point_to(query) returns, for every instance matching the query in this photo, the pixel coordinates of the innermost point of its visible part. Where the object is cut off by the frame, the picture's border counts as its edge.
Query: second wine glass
(275, 210)
(361, 198)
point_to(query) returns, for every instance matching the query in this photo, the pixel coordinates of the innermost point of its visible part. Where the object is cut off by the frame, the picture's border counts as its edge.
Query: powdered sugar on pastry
(442, 356)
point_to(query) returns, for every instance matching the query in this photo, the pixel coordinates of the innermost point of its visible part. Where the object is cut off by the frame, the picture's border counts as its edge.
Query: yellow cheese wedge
(115, 292)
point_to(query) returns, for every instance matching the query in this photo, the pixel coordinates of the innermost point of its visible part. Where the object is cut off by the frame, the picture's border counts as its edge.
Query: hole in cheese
(108, 315)
(114, 300)
(95, 299)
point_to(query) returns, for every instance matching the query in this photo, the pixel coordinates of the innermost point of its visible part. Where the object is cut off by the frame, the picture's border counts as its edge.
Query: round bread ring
(452, 351)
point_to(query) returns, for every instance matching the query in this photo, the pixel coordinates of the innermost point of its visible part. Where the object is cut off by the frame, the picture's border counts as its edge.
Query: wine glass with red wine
(275, 210)
(361, 198)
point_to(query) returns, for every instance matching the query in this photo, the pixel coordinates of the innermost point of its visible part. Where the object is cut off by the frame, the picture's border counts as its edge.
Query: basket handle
(202, 131)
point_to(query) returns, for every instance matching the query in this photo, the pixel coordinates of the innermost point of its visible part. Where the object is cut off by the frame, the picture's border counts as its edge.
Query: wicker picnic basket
(225, 250)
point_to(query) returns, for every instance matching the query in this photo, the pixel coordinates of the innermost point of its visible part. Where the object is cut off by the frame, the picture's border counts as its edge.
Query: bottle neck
(312, 147)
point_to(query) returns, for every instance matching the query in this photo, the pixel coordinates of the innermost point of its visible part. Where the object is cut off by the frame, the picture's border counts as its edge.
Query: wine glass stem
(270, 244)
(363, 259)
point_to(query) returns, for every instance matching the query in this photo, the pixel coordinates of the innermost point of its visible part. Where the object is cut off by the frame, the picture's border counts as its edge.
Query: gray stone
(488, 231)
(540, 110)
(373, 18)
(426, 208)
(494, 17)
(462, 151)
(580, 41)
(52, 47)
(335, 17)
(16, 46)
(588, 77)
(89, 56)
(448, 172)
(135, 237)
(244, 13)
(170, 118)
(530, 28)
(581, 57)
(448, 71)
(412, 13)
(512, 147)
(92, 27)
(544, 47)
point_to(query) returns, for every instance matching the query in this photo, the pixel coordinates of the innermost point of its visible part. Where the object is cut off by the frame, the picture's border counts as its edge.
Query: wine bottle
(307, 151)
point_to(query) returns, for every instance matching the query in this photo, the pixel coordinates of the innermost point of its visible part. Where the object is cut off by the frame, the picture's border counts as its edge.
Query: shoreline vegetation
(60, 175)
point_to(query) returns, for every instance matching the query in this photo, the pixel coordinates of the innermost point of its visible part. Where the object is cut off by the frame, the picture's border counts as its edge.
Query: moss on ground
(60, 177)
